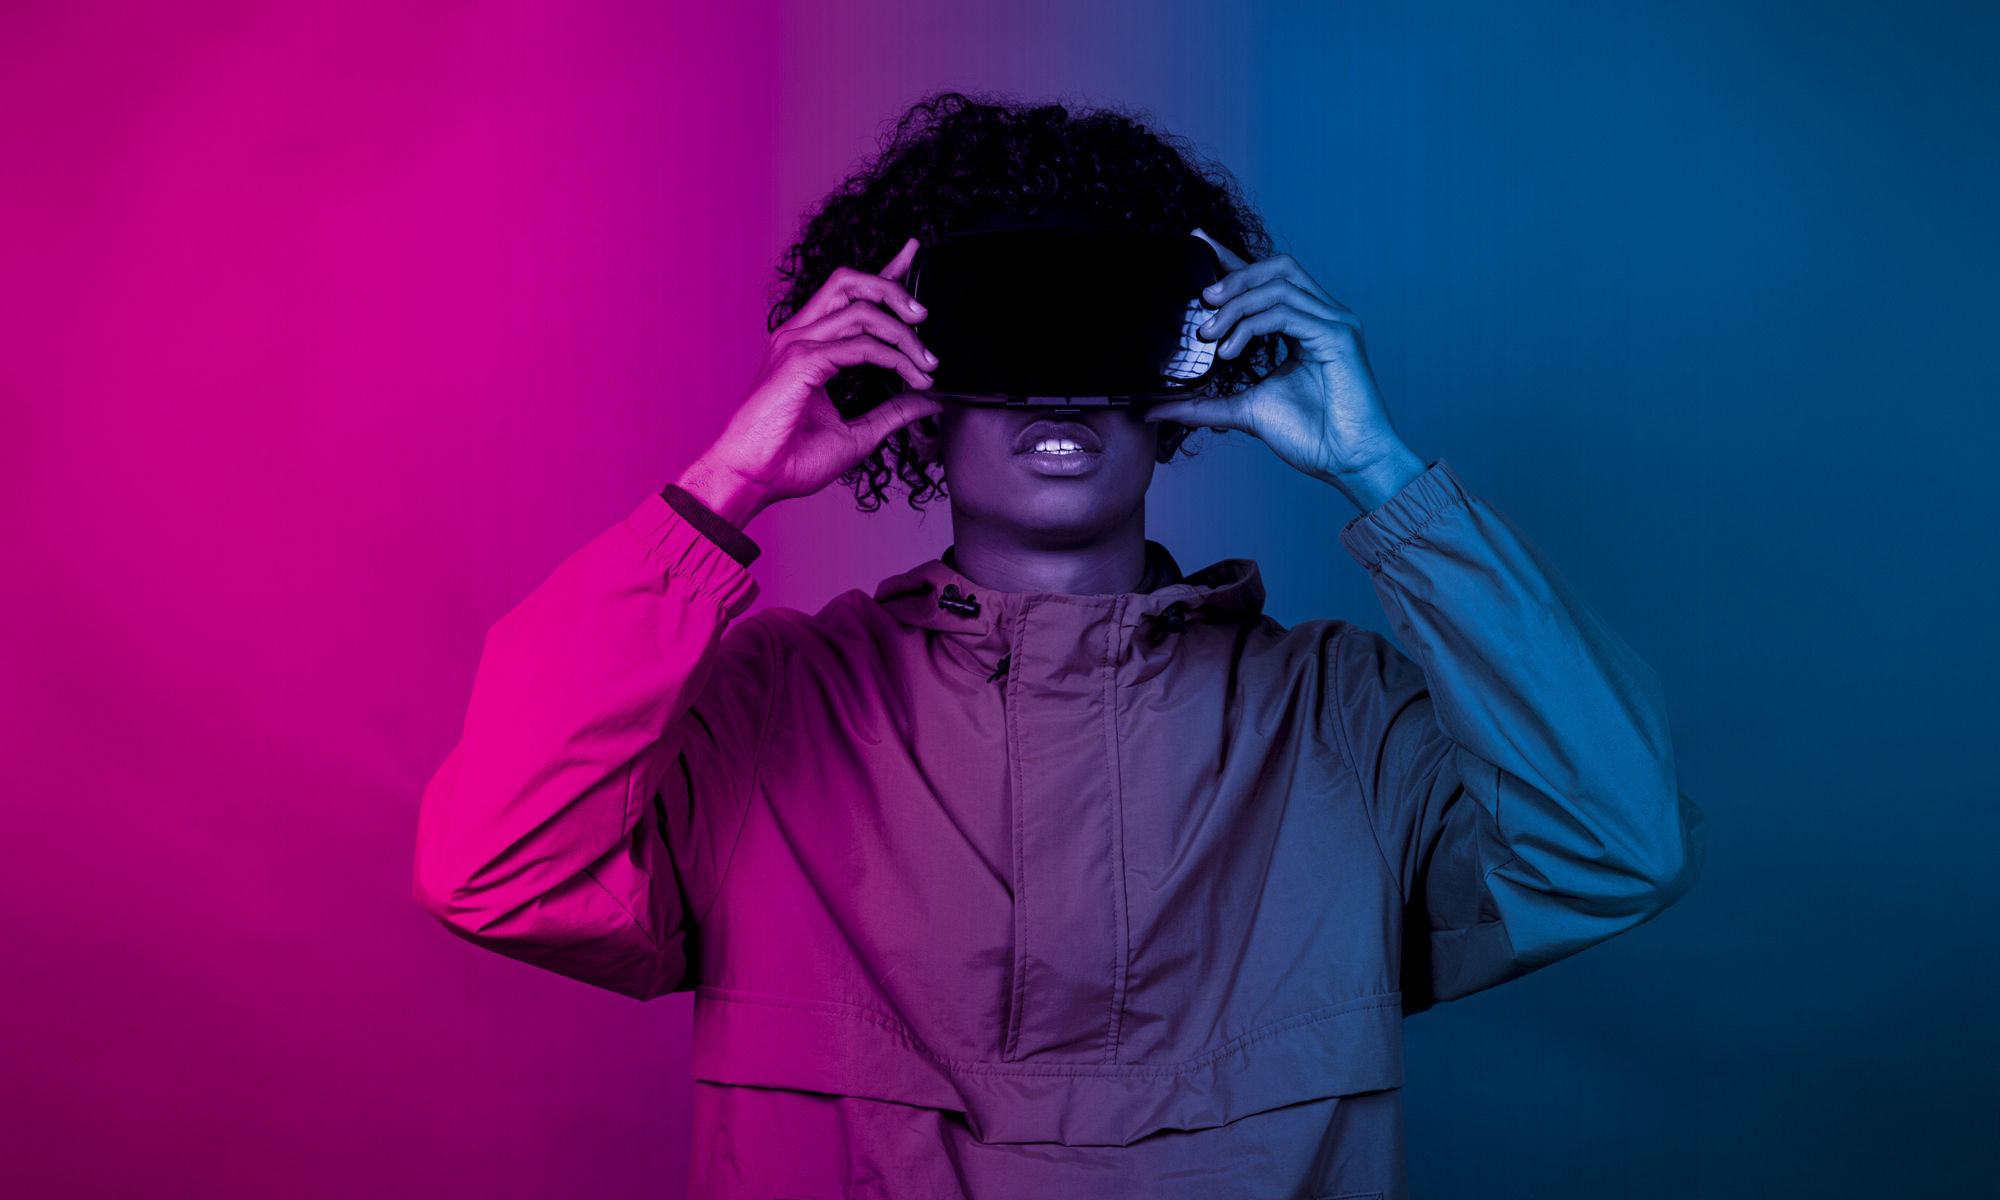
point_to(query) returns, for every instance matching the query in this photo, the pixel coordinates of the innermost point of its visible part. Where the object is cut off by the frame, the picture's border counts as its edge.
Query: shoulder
(850, 617)
(846, 633)
(1330, 662)
(1314, 643)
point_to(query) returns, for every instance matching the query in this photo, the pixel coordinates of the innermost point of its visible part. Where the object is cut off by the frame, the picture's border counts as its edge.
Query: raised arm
(1519, 771)
(540, 837)
(584, 821)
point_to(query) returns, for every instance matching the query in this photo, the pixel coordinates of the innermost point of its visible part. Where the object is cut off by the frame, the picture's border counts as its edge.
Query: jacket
(1031, 894)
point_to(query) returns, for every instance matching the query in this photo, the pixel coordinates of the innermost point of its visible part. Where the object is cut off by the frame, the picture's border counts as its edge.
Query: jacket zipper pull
(1002, 668)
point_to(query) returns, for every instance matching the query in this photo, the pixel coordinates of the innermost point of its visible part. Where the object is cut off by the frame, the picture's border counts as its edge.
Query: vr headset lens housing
(1065, 316)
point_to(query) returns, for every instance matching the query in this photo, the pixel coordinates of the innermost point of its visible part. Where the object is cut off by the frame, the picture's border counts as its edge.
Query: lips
(1075, 431)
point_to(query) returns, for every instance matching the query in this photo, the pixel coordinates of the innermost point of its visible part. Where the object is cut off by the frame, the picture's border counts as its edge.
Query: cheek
(971, 455)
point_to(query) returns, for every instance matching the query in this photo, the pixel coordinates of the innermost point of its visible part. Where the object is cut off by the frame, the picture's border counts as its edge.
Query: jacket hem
(763, 1040)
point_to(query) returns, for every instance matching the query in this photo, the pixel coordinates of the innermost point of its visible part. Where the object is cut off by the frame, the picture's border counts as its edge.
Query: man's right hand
(787, 439)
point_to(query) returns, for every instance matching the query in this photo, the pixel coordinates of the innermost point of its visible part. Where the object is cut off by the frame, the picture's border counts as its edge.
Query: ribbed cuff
(673, 544)
(1400, 520)
(716, 527)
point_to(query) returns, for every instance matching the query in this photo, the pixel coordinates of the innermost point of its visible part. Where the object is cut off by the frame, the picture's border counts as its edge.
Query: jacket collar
(1225, 592)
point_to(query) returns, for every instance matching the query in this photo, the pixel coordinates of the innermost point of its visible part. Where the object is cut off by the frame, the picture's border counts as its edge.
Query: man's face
(994, 470)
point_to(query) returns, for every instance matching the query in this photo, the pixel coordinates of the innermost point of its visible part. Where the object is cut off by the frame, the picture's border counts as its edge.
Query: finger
(866, 318)
(1282, 290)
(1213, 412)
(847, 285)
(1230, 260)
(900, 264)
(823, 359)
(874, 426)
(1278, 266)
(1279, 318)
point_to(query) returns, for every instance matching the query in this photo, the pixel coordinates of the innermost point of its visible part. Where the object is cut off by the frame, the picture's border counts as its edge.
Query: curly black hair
(952, 153)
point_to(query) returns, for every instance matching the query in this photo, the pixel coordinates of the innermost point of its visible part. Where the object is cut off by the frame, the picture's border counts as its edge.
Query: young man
(1043, 869)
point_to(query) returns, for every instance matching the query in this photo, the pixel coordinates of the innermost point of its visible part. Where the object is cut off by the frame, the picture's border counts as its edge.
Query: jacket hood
(934, 595)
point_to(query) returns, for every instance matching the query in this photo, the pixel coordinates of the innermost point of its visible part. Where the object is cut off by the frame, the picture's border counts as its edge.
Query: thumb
(874, 426)
(1215, 412)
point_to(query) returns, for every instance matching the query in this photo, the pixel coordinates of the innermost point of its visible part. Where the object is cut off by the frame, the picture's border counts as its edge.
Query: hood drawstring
(963, 605)
(966, 604)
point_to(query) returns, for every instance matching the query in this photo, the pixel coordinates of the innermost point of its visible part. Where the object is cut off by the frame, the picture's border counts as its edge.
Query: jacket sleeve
(584, 819)
(1519, 772)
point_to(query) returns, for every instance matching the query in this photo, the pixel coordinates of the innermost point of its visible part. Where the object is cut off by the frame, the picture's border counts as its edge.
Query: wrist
(727, 493)
(1375, 483)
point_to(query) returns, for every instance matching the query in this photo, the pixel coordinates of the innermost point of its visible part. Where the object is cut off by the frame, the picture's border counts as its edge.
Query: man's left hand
(1320, 410)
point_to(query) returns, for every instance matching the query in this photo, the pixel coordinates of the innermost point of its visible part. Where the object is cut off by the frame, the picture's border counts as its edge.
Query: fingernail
(930, 358)
(1212, 290)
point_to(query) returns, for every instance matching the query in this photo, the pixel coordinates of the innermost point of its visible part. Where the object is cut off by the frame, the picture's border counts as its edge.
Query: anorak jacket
(1026, 894)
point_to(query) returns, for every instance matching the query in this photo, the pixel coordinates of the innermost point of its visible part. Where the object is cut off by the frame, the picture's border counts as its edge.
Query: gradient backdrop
(330, 328)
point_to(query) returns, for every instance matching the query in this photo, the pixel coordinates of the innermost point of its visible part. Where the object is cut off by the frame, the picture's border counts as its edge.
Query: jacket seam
(1264, 1032)
(1347, 746)
(1354, 768)
(1121, 926)
(1017, 990)
(774, 650)
(633, 832)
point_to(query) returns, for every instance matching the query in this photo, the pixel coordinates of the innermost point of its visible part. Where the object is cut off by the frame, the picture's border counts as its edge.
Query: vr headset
(1065, 317)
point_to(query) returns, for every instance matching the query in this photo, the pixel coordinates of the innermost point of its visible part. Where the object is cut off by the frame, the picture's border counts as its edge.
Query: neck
(1111, 560)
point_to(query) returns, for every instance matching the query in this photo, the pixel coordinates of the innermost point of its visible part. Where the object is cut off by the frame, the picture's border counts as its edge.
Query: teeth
(1057, 446)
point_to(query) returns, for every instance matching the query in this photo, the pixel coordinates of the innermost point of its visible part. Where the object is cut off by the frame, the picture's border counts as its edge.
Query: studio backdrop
(330, 329)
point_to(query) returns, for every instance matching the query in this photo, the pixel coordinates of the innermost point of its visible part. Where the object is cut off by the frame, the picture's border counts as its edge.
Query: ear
(1172, 434)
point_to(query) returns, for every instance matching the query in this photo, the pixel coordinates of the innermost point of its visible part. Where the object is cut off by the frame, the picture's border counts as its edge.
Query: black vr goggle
(1065, 316)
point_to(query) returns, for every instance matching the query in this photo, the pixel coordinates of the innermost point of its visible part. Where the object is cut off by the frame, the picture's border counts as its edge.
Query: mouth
(1058, 439)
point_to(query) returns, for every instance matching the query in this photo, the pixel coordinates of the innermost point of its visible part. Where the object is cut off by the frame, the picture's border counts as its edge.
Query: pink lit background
(328, 329)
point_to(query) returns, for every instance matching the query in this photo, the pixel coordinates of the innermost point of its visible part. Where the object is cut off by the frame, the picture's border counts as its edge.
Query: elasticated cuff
(1374, 536)
(716, 527)
(673, 543)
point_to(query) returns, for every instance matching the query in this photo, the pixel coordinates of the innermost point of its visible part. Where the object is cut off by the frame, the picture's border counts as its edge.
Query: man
(1044, 869)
